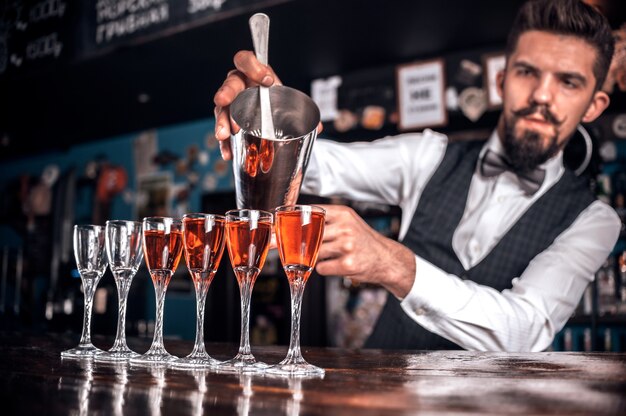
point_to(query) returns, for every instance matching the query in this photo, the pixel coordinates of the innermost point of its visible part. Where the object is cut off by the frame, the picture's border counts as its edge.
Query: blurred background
(106, 113)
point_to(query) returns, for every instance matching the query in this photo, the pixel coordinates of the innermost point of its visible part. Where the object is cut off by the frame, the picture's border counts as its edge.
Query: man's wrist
(401, 271)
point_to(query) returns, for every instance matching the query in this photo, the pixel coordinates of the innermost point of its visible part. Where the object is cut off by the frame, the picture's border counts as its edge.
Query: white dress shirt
(395, 170)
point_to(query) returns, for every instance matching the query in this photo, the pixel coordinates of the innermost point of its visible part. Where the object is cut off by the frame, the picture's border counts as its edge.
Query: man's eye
(524, 72)
(570, 84)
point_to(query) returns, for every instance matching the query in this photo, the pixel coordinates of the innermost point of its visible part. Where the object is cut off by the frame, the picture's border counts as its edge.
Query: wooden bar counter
(35, 380)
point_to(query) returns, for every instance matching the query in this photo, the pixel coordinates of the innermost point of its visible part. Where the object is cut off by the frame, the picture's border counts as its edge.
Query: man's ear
(598, 104)
(500, 82)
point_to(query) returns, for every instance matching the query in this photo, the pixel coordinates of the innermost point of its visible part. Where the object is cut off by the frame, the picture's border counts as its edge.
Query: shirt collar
(553, 166)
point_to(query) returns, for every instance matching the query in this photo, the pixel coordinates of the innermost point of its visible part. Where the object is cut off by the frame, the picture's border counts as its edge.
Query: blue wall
(119, 151)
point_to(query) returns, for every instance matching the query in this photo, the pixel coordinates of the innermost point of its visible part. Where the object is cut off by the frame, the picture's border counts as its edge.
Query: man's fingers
(222, 130)
(232, 86)
(227, 153)
(246, 62)
(330, 233)
(337, 213)
(249, 72)
(328, 250)
(327, 267)
(336, 266)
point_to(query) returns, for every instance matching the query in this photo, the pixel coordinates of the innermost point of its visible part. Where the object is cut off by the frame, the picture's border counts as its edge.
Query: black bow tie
(494, 164)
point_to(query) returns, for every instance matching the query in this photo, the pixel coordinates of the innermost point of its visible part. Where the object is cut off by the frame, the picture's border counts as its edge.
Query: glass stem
(201, 284)
(89, 288)
(161, 280)
(296, 287)
(123, 280)
(245, 291)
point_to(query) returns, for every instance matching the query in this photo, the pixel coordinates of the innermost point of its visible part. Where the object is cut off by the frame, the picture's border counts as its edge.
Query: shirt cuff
(425, 287)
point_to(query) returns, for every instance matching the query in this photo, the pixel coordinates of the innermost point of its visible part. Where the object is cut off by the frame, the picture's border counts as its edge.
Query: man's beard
(527, 152)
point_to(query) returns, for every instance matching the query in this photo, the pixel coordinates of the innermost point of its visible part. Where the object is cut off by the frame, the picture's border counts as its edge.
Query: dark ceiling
(94, 98)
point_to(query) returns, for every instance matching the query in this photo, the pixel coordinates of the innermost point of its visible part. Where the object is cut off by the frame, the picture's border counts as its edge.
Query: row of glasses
(299, 230)
(122, 243)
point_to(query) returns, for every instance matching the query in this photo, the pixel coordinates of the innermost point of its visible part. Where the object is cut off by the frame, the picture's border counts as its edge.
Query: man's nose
(543, 92)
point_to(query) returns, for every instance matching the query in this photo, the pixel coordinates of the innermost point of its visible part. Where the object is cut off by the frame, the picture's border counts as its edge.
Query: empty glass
(123, 246)
(91, 264)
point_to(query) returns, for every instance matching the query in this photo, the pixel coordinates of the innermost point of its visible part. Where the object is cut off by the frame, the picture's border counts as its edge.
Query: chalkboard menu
(36, 34)
(39, 34)
(111, 22)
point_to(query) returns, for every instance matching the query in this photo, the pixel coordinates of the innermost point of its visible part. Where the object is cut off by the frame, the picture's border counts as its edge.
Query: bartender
(498, 238)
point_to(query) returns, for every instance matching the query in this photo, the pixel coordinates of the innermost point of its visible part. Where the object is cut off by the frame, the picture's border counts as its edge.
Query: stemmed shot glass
(123, 247)
(162, 246)
(248, 235)
(299, 232)
(89, 255)
(203, 236)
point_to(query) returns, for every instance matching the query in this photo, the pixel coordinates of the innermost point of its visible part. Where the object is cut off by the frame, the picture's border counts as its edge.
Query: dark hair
(567, 17)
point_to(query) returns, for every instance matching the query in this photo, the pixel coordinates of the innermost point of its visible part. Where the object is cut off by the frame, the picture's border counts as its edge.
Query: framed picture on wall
(154, 195)
(493, 63)
(421, 97)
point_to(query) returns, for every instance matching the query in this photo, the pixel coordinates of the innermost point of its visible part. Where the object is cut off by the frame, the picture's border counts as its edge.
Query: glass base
(83, 351)
(154, 356)
(242, 363)
(196, 361)
(295, 368)
(116, 355)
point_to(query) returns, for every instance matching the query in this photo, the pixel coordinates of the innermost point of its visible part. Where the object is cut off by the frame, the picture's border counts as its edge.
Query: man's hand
(353, 249)
(248, 73)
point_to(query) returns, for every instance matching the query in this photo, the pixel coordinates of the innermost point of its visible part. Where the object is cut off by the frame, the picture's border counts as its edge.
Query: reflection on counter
(356, 381)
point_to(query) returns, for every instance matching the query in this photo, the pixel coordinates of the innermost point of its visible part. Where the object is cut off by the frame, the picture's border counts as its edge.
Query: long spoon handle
(260, 28)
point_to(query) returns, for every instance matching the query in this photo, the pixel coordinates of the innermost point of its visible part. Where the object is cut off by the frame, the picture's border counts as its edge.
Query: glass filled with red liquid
(203, 237)
(248, 235)
(162, 246)
(299, 233)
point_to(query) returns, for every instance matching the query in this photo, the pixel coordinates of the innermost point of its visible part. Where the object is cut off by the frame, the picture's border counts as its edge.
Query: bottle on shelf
(621, 271)
(607, 304)
(621, 212)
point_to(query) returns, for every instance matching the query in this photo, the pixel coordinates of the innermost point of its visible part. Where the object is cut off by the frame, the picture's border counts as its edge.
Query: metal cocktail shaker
(268, 173)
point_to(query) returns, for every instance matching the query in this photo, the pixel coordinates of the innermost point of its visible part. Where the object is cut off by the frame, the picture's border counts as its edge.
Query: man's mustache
(541, 109)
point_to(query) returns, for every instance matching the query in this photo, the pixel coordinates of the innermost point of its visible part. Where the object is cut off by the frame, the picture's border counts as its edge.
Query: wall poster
(421, 98)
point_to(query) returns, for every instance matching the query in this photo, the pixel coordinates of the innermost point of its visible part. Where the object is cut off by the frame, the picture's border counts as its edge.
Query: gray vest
(436, 218)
